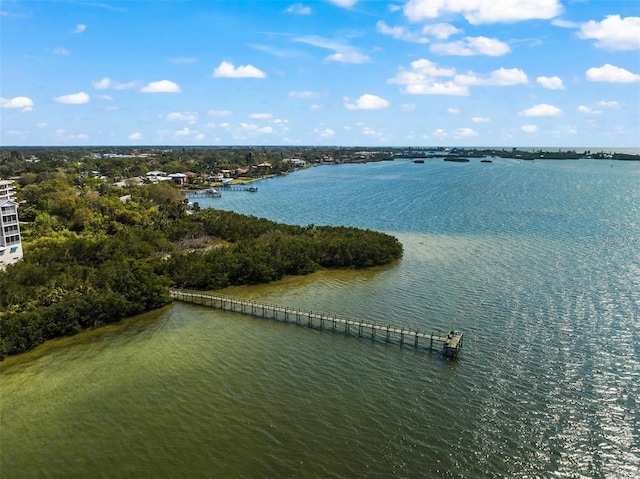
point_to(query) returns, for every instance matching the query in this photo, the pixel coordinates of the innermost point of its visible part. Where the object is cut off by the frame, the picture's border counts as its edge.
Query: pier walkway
(449, 343)
(217, 193)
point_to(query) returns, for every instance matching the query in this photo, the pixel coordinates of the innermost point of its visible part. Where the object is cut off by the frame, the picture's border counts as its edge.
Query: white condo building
(7, 190)
(10, 242)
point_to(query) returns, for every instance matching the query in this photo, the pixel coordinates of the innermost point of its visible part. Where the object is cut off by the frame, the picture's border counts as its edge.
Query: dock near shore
(217, 193)
(449, 343)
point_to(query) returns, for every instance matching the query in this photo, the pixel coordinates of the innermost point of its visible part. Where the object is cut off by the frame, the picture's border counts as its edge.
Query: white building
(7, 190)
(10, 242)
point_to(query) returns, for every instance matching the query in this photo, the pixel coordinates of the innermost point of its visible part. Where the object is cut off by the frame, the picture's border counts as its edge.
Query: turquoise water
(537, 262)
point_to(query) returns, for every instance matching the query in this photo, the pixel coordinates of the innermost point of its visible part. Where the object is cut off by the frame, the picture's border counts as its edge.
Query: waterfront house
(178, 178)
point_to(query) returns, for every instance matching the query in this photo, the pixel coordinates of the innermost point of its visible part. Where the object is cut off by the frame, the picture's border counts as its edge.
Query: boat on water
(418, 161)
(253, 189)
(486, 160)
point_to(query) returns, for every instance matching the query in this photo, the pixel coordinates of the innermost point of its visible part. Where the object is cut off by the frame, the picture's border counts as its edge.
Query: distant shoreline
(623, 150)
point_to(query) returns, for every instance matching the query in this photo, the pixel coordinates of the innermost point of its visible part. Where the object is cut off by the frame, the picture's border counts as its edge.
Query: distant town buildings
(10, 241)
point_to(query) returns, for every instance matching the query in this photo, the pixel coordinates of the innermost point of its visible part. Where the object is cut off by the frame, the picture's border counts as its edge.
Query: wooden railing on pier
(450, 343)
(217, 193)
(252, 189)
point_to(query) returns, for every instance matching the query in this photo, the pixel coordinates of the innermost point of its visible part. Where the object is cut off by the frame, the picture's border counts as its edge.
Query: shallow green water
(536, 262)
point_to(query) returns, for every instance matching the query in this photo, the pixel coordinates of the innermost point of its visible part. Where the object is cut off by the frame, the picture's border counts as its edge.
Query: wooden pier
(449, 343)
(252, 189)
(208, 193)
(216, 193)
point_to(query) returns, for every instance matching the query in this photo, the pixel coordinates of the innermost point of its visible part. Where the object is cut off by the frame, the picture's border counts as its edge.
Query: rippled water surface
(537, 262)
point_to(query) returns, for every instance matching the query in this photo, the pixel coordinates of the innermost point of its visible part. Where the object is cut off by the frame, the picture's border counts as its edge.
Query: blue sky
(338, 72)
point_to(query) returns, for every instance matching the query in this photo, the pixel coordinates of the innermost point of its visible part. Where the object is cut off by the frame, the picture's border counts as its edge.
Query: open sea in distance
(538, 263)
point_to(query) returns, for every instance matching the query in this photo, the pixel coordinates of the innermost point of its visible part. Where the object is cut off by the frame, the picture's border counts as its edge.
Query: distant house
(157, 176)
(10, 242)
(178, 178)
(264, 165)
(294, 161)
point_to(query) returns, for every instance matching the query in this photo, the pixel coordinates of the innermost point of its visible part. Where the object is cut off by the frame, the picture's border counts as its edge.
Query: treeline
(264, 251)
(96, 254)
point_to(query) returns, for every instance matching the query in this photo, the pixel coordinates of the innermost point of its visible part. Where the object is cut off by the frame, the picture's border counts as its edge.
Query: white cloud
(611, 74)
(484, 11)
(227, 70)
(613, 33)
(500, 77)
(73, 98)
(184, 132)
(254, 129)
(408, 106)
(558, 22)
(589, 110)
(529, 128)
(371, 132)
(441, 31)
(348, 57)
(440, 133)
(343, 53)
(43, 124)
(189, 116)
(453, 111)
(23, 102)
(480, 119)
(542, 109)
(162, 86)
(101, 84)
(107, 83)
(426, 77)
(552, 83)
(306, 95)
(135, 136)
(219, 113)
(399, 33)
(125, 86)
(423, 78)
(608, 104)
(80, 28)
(299, 9)
(367, 102)
(61, 51)
(260, 116)
(472, 46)
(464, 133)
(326, 133)
(344, 3)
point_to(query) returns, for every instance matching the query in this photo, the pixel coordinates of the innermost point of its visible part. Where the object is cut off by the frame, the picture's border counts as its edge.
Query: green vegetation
(95, 253)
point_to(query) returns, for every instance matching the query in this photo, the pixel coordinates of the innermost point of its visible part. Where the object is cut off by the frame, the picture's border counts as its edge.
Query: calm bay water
(537, 262)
